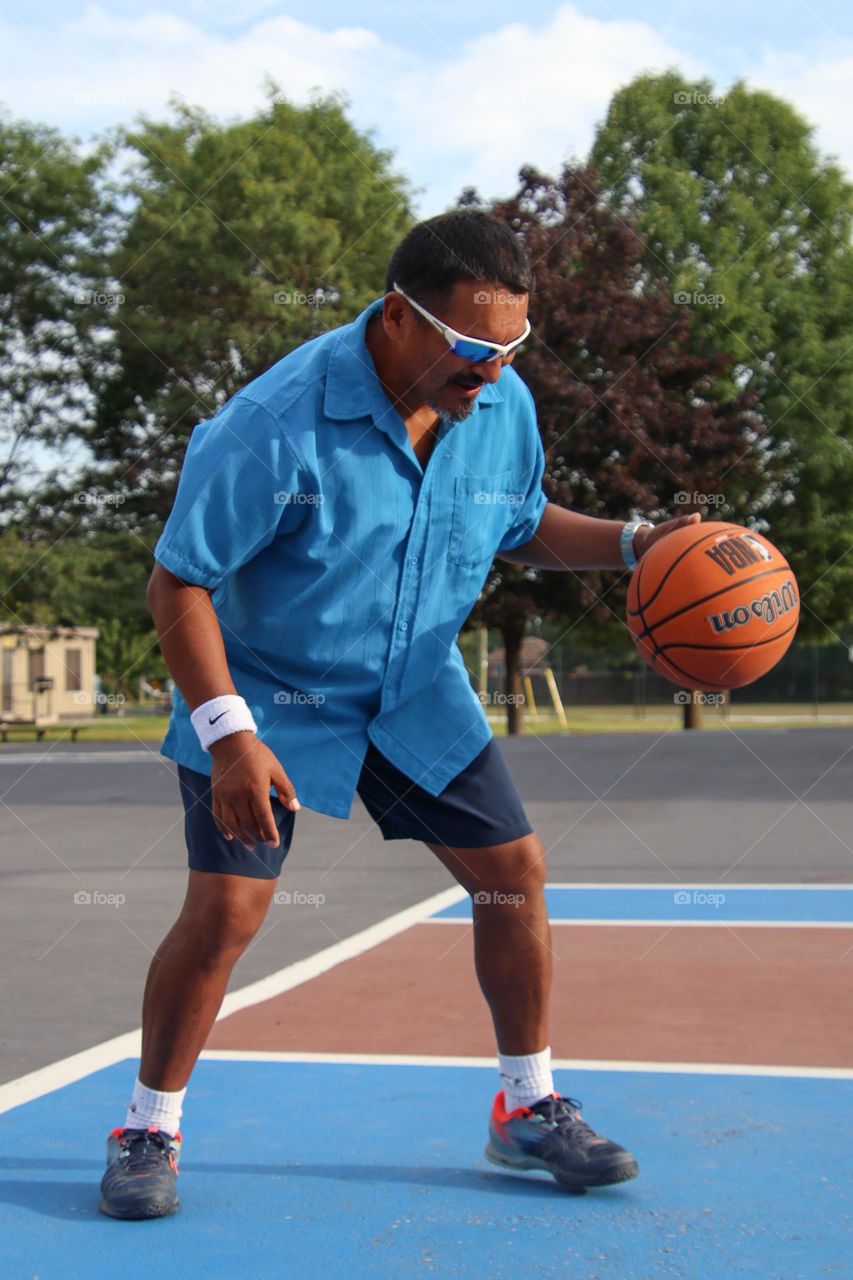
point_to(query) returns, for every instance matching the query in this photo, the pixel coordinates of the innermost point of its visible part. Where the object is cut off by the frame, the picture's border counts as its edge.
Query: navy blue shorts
(479, 807)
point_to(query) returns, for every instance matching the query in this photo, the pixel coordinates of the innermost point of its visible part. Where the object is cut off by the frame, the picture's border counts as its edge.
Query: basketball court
(335, 1124)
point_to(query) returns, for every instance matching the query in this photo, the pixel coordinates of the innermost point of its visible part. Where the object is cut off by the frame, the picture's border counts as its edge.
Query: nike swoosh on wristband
(219, 717)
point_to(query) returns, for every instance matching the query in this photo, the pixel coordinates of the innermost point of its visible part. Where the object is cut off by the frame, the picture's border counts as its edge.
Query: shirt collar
(352, 388)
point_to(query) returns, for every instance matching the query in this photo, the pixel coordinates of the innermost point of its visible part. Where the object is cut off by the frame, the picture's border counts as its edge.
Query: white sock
(153, 1107)
(526, 1079)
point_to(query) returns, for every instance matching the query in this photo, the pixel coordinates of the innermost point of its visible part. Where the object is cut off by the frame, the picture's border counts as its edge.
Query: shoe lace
(143, 1146)
(564, 1114)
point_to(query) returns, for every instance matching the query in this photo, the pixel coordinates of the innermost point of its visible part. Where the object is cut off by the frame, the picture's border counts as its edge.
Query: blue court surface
(708, 904)
(351, 1165)
(344, 1170)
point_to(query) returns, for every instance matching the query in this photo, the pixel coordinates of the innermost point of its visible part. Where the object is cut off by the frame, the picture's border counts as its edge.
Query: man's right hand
(243, 771)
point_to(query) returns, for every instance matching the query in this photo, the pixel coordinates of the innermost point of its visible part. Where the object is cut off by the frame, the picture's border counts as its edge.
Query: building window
(36, 665)
(73, 664)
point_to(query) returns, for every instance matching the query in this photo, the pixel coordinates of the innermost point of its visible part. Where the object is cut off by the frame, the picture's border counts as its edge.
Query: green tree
(53, 216)
(242, 242)
(625, 409)
(752, 226)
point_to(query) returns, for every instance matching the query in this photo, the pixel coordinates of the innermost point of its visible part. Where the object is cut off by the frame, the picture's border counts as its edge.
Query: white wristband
(218, 717)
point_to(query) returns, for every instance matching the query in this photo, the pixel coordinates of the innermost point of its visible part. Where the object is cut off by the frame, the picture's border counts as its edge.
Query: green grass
(130, 729)
(110, 728)
(764, 715)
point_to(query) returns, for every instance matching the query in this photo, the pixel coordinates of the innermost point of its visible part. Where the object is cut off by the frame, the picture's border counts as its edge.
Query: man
(333, 526)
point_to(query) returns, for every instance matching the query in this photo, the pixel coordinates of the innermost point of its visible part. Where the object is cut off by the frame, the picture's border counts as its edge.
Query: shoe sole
(137, 1213)
(621, 1172)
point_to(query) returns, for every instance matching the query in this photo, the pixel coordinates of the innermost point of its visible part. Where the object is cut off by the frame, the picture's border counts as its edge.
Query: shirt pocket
(483, 509)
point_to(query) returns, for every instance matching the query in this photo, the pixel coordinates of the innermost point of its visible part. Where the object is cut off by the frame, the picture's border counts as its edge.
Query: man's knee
(222, 913)
(518, 867)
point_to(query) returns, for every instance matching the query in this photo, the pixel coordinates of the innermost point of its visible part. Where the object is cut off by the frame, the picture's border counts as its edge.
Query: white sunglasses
(474, 349)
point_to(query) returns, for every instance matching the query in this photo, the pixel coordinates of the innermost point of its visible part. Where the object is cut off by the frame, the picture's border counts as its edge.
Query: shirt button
(404, 626)
(413, 560)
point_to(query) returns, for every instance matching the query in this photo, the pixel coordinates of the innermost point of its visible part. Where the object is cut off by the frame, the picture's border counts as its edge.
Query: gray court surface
(94, 871)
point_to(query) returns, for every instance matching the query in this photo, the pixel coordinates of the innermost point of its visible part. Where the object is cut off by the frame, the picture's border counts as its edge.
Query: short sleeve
(532, 506)
(236, 493)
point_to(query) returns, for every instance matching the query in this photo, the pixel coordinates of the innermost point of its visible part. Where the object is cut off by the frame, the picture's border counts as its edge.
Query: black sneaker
(141, 1175)
(552, 1135)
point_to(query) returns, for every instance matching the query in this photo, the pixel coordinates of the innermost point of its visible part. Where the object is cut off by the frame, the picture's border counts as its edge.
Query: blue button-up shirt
(342, 571)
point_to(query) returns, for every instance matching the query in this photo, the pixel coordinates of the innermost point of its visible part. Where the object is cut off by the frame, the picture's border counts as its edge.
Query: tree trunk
(513, 689)
(693, 713)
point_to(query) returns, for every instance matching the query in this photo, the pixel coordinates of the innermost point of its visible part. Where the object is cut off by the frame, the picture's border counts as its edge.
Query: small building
(46, 673)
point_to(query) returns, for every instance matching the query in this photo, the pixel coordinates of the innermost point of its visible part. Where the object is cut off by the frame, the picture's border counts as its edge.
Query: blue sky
(464, 91)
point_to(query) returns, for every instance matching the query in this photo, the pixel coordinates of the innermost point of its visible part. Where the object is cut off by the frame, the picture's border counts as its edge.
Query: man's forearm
(567, 540)
(190, 638)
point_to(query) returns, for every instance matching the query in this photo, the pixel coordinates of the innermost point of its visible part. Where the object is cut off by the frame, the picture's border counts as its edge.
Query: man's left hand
(646, 537)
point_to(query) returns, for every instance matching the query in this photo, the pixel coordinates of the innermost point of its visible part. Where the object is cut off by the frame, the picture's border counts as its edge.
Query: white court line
(677, 885)
(559, 1064)
(83, 757)
(67, 1070)
(680, 924)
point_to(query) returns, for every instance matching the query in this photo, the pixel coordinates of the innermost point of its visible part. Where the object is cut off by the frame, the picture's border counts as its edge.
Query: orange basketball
(713, 606)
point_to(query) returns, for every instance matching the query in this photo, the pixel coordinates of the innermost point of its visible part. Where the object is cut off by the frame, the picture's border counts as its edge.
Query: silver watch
(626, 541)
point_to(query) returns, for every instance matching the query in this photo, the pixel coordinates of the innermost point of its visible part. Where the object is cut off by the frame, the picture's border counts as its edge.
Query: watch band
(626, 541)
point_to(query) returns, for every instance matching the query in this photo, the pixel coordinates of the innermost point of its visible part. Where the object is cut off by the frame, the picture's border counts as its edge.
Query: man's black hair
(465, 244)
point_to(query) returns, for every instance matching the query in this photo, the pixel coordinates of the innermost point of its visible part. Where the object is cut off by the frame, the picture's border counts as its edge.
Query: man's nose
(488, 370)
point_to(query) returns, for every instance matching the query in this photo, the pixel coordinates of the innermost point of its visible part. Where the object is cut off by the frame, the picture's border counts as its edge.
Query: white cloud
(819, 86)
(470, 115)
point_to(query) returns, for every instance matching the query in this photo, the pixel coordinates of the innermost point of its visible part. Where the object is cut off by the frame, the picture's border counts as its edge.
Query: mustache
(460, 380)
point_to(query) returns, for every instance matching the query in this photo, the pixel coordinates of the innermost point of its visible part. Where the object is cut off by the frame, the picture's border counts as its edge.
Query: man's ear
(394, 316)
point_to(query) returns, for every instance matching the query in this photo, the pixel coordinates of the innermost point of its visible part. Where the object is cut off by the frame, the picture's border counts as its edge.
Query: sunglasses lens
(469, 349)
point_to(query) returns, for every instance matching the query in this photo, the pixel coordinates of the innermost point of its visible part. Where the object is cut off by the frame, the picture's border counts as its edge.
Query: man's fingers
(235, 821)
(264, 821)
(285, 789)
